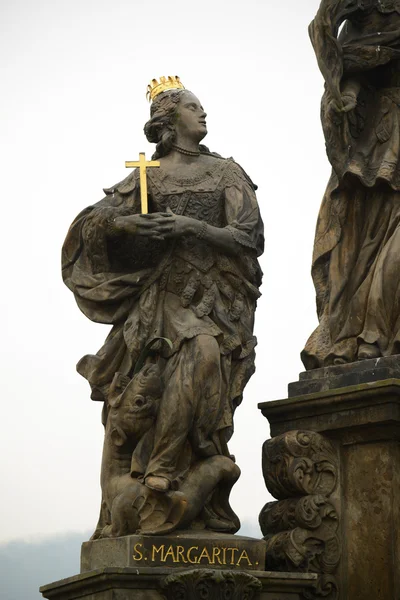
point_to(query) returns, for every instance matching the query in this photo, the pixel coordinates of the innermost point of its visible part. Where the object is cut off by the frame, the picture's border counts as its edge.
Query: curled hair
(160, 129)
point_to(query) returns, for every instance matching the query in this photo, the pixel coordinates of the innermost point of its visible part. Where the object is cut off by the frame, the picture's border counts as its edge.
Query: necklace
(187, 152)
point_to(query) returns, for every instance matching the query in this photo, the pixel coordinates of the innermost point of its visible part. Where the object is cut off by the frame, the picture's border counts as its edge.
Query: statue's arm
(244, 229)
(99, 227)
(242, 212)
(329, 46)
(160, 226)
(219, 237)
(85, 249)
(323, 31)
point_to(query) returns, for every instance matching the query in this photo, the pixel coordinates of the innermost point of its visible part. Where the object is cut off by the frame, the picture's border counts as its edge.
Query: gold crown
(172, 82)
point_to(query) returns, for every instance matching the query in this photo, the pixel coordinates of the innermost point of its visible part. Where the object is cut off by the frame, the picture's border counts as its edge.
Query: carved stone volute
(301, 529)
(299, 462)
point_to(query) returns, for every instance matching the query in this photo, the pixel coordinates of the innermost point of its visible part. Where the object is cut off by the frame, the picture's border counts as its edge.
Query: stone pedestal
(362, 424)
(160, 583)
(186, 549)
(184, 566)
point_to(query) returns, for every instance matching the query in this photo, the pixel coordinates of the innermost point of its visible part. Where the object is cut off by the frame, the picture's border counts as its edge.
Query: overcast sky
(73, 78)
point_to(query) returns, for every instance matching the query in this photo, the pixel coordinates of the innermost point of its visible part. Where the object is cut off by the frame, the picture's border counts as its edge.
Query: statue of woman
(187, 272)
(356, 262)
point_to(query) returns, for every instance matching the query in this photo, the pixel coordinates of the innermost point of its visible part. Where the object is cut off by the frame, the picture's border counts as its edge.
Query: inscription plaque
(199, 550)
(170, 553)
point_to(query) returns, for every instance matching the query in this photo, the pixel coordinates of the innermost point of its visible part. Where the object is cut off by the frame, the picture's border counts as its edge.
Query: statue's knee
(207, 349)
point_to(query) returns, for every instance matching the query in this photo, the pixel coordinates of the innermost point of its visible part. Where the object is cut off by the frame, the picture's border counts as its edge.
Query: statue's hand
(182, 226)
(143, 225)
(348, 101)
(158, 226)
(169, 225)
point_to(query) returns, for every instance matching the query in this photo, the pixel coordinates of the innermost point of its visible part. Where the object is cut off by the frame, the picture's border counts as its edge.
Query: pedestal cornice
(97, 583)
(364, 405)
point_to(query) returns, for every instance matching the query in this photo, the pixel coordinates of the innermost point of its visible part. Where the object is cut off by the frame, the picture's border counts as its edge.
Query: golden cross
(143, 164)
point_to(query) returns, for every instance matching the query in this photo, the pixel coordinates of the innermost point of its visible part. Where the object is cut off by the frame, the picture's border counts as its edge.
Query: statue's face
(191, 118)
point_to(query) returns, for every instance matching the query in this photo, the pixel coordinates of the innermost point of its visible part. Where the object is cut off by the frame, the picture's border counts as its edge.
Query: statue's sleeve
(241, 209)
(103, 295)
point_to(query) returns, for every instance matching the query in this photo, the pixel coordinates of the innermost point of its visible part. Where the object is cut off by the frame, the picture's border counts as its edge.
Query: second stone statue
(357, 243)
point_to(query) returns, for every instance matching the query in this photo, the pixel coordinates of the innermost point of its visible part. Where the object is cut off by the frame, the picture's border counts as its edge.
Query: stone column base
(362, 423)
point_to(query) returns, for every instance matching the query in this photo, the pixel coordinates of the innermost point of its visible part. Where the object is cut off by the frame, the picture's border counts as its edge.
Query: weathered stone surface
(372, 495)
(334, 377)
(150, 583)
(362, 423)
(186, 549)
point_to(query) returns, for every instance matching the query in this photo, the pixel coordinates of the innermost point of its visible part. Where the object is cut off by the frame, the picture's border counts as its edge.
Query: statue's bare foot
(366, 351)
(159, 484)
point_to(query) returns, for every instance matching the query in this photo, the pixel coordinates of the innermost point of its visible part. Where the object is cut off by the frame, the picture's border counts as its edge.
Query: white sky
(73, 77)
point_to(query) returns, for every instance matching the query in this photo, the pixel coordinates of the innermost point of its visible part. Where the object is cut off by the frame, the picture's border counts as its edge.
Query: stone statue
(179, 286)
(356, 262)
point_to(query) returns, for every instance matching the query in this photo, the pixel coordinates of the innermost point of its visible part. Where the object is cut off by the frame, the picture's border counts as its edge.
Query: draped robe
(182, 290)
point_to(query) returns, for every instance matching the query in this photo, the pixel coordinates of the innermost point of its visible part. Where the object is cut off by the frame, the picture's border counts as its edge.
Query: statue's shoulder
(230, 170)
(234, 172)
(125, 186)
(214, 163)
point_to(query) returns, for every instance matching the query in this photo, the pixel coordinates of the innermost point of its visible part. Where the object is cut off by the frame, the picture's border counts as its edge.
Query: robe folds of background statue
(178, 290)
(356, 261)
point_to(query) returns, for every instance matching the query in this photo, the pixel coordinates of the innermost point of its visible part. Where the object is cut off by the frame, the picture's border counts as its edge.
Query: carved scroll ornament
(199, 584)
(299, 462)
(301, 529)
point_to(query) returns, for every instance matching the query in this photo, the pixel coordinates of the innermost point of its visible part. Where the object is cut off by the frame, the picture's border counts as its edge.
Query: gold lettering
(204, 554)
(195, 561)
(215, 555)
(169, 552)
(156, 550)
(224, 556)
(244, 556)
(138, 555)
(179, 554)
(233, 550)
